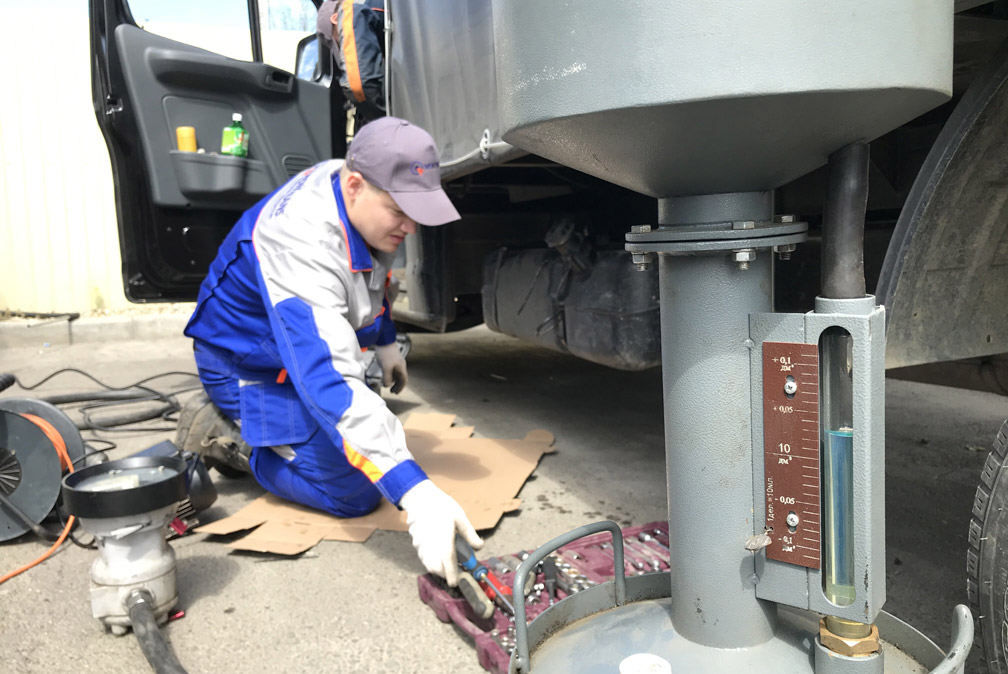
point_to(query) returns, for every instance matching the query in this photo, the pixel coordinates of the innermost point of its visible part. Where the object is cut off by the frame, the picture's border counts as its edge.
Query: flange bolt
(643, 260)
(744, 257)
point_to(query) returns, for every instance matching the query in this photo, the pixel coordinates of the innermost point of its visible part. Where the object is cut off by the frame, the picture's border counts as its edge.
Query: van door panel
(171, 84)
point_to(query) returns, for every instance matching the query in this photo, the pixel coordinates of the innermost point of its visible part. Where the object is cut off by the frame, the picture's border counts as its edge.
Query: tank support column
(706, 299)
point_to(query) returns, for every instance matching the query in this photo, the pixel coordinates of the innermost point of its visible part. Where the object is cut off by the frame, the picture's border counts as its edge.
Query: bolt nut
(784, 218)
(744, 257)
(643, 260)
(849, 646)
(792, 519)
(790, 387)
(784, 250)
(743, 224)
(640, 229)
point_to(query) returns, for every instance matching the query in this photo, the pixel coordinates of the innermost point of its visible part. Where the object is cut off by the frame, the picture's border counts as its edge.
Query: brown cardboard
(484, 475)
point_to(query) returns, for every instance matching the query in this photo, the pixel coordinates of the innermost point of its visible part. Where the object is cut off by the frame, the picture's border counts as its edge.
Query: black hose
(87, 396)
(106, 423)
(843, 223)
(157, 651)
(6, 381)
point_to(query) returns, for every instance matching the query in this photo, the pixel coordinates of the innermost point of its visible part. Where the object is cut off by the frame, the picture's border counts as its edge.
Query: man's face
(374, 214)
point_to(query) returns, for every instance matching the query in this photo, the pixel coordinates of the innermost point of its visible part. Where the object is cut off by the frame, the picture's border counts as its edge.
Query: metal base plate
(598, 643)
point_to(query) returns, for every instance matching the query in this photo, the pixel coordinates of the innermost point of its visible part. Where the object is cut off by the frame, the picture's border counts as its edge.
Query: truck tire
(987, 557)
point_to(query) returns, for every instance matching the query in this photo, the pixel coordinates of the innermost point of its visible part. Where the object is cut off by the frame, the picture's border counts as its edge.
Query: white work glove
(393, 366)
(433, 518)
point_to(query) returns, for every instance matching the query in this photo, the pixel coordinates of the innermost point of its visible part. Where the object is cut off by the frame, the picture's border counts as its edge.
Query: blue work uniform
(354, 31)
(291, 300)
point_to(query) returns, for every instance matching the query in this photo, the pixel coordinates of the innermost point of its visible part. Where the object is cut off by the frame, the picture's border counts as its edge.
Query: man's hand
(433, 518)
(393, 366)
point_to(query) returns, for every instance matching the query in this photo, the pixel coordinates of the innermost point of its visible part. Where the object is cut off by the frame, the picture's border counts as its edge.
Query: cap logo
(417, 168)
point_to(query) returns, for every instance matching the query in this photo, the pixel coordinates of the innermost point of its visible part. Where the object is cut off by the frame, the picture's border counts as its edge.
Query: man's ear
(353, 185)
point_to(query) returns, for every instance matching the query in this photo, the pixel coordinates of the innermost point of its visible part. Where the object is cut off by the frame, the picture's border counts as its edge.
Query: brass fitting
(847, 642)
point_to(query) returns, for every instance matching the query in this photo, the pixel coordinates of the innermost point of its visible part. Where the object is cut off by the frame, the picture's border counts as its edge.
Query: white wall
(59, 247)
(59, 244)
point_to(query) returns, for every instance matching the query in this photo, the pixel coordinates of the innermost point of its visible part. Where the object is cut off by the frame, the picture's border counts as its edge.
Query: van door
(158, 66)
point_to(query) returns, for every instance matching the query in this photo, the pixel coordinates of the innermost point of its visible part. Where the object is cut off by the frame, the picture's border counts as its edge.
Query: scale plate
(791, 452)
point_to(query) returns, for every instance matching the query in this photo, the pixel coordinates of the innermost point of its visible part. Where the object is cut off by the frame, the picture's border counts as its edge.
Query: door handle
(278, 80)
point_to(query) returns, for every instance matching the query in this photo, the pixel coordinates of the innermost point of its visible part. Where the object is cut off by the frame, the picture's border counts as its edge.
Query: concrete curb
(43, 333)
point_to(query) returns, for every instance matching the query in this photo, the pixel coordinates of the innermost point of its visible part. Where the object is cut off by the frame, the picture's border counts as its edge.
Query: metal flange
(715, 237)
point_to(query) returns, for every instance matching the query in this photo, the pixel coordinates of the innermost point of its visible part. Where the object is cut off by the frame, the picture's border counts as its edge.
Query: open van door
(149, 77)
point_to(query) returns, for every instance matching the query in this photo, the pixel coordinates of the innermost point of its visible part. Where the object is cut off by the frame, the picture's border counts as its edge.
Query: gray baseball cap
(402, 159)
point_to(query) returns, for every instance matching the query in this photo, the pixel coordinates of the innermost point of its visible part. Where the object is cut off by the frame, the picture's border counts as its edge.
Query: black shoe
(203, 429)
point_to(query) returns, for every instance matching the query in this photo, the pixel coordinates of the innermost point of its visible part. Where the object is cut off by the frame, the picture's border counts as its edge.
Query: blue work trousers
(319, 475)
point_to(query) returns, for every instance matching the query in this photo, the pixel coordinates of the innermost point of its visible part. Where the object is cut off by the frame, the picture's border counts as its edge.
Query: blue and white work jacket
(290, 302)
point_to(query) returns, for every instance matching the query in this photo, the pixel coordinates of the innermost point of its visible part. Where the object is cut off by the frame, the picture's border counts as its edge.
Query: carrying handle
(522, 662)
(962, 642)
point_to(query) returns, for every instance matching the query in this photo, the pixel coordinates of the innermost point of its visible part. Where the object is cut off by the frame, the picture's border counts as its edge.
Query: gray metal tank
(683, 97)
(708, 105)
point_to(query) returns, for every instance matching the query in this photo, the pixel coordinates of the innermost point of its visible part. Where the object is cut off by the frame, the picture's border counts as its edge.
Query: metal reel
(57, 418)
(30, 473)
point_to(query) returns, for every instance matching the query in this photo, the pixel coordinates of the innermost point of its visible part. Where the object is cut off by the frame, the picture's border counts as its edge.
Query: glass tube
(837, 434)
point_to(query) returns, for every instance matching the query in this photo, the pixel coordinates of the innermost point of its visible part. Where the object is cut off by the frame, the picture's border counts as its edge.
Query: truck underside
(539, 252)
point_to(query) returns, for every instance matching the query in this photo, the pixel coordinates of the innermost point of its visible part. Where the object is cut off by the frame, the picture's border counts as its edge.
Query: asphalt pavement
(348, 607)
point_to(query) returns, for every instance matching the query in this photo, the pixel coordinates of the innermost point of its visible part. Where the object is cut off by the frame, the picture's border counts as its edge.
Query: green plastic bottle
(235, 139)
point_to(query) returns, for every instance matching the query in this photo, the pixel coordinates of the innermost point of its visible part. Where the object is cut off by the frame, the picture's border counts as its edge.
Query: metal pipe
(69, 316)
(157, 651)
(962, 641)
(387, 81)
(40, 531)
(843, 223)
(706, 301)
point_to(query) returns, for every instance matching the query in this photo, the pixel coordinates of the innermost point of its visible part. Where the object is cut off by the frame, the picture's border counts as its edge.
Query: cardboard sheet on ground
(483, 474)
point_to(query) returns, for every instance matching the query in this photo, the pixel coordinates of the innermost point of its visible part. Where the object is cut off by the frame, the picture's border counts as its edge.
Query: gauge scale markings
(791, 451)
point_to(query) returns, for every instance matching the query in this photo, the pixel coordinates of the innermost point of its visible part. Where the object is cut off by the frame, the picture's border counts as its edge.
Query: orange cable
(57, 440)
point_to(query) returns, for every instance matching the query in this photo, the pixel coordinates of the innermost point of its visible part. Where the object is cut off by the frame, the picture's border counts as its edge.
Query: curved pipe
(962, 642)
(843, 223)
(522, 659)
(157, 651)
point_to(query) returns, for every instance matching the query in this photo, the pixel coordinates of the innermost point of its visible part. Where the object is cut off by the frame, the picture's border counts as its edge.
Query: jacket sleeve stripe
(361, 463)
(350, 51)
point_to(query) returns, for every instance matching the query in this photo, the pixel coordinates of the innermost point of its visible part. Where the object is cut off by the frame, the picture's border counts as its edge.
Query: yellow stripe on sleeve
(362, 463)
